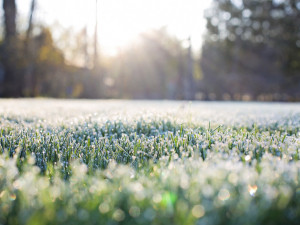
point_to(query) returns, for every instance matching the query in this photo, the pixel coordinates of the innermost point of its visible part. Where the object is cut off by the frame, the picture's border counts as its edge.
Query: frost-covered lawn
(149, 162)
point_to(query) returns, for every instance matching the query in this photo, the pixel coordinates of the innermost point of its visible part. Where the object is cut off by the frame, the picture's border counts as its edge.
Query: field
(149, 162)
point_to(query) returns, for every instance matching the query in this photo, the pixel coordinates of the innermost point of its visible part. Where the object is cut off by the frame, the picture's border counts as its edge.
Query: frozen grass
(157, 162)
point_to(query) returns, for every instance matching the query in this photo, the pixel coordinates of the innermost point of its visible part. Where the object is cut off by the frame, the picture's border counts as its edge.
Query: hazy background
(151, 49)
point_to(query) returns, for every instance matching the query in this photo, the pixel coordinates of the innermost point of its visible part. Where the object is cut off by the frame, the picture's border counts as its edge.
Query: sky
(121, 21)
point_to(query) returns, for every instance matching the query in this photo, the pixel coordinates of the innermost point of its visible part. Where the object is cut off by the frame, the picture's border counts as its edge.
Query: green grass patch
(58, 166)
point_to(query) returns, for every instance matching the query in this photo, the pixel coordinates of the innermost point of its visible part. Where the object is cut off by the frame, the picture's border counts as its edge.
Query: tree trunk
(29, 51)
(30, 22)
(190, 89)
(10, 12)
(12, 83)
(180, 79)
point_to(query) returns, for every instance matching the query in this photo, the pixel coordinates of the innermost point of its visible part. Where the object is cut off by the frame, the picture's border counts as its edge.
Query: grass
(124, 162)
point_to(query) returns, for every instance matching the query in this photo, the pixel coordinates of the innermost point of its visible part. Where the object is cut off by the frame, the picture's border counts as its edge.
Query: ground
(148, 162)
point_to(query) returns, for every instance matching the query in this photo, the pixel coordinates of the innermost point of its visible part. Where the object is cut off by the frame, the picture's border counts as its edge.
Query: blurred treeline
(251, 51)
(32, 65)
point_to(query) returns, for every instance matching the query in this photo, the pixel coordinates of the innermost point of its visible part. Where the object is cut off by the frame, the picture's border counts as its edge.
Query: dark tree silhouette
(11, 60)
(29, 53)
(10, 12)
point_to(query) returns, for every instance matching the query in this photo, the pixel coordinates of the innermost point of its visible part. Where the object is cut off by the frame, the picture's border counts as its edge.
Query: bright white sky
(120, 21)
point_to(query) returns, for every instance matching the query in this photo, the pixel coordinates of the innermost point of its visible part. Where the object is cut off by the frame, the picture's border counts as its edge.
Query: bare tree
(29, 49)
(11, 85)
(10, 12)
(30, 21)
(190, 82)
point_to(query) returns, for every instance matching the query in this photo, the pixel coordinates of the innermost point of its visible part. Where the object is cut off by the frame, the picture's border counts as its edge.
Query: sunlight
(121, 21)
